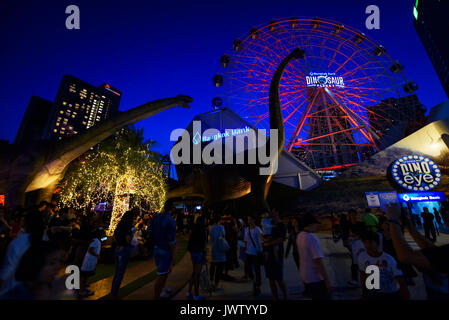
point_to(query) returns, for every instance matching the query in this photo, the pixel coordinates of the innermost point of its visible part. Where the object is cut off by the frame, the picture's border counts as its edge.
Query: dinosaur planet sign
(324, 80)
(416, 173)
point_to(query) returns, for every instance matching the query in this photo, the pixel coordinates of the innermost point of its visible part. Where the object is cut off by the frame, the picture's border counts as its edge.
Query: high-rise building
(34, 123)
(80, 105)
(432, 25)
(395, 118)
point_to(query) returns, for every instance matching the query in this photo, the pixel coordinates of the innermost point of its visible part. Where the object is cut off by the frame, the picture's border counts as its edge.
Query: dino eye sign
(416, 173)
(324, 80)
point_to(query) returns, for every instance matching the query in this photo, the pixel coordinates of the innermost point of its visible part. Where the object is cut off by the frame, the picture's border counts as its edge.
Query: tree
(112, 171)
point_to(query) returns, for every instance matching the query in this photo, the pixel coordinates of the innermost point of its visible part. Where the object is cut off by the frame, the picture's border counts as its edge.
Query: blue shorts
(162, 259)
(197, 257)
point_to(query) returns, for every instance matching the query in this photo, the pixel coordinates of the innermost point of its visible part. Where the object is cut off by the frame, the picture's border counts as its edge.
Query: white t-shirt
(309, 250)
(357, 248)
(267, 226)
(90, 261)
(256, 235)
(388, 270)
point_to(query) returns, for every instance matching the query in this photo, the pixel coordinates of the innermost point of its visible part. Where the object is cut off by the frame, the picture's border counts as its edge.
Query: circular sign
(322, 80)
(416, 173)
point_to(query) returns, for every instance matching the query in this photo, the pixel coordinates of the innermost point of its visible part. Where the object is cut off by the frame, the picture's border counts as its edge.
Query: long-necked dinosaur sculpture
(39, 166)
(226, 182)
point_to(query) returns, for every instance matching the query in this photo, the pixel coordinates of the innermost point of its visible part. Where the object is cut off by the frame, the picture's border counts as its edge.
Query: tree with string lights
(119, 167)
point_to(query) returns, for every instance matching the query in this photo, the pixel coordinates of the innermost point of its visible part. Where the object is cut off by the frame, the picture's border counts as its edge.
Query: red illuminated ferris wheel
(338, 102)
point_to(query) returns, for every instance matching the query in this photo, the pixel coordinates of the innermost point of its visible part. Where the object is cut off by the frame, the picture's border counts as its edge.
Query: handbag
(223, 245)
(260, 259)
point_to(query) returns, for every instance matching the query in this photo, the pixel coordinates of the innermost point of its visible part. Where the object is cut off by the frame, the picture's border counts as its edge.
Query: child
(356, 247)
(391, 283)
(90, 262)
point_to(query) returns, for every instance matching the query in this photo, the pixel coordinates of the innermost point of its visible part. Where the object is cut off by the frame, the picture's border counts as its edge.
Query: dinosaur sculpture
(39, 166)
(216, 183)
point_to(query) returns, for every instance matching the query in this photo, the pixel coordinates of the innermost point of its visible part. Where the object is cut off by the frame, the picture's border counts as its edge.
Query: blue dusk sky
(156, 49)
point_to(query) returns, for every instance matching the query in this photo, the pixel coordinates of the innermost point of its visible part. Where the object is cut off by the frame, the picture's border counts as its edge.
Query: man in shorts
(163, 229)
(274, 255)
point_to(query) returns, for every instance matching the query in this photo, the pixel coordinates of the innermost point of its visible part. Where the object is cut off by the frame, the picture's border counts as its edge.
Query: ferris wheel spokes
(314, 108)
(370, 133)
(328, 122)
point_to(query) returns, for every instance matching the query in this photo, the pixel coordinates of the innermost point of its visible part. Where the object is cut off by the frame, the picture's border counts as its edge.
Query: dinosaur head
(184, 100)
(297, 54)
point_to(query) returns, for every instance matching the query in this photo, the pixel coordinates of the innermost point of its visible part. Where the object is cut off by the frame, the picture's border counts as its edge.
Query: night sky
(156, 49)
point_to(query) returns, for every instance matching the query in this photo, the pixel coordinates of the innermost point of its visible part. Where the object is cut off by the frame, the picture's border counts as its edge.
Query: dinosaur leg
(258, 190)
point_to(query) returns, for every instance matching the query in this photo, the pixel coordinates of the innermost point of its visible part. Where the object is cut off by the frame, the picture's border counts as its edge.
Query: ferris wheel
(338, 103)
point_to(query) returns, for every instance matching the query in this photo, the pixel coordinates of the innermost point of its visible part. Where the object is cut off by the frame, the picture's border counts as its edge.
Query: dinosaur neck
(276, 119)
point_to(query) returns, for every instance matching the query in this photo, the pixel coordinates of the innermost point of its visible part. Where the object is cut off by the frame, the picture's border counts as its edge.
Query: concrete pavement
(337, 262)
(138, 283)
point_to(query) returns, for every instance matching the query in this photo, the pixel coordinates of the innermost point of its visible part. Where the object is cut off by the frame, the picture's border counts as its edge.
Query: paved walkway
(176, 281)
(138, 283)
(338, 265)
(103, 287)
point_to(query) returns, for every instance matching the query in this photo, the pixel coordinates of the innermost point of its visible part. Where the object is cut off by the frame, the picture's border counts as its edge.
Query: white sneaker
(165, 294)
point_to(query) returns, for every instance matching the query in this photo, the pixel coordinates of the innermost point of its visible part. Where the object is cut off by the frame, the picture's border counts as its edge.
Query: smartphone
(104, 239)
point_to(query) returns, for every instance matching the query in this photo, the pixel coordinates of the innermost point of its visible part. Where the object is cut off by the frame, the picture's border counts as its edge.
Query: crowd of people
(257, 242)
(36, 244)
(380, 241)
(371, 241)
(63, 236)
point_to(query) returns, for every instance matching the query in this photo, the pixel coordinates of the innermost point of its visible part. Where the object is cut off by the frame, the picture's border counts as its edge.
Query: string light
(111, 173)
